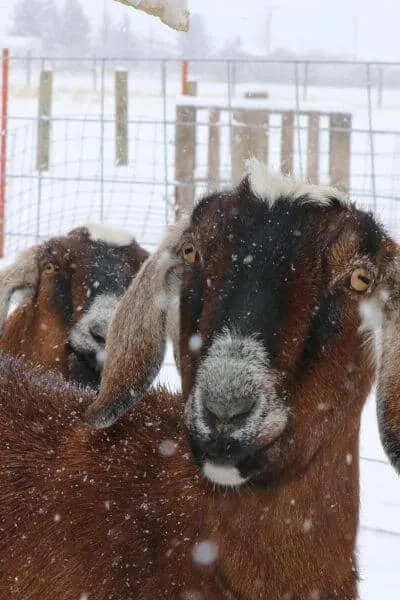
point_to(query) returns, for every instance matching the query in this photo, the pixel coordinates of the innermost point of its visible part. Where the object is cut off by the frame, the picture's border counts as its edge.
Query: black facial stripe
(62, 298)
(325, 326)
(370, 234)
(259, 280)
(106, 271)
(194, 299)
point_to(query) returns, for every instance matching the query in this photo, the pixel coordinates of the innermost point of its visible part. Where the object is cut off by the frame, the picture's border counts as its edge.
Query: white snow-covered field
(80, 186)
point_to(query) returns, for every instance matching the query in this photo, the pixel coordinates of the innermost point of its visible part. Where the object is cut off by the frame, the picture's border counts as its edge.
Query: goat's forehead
(92, 261)
(244, 223)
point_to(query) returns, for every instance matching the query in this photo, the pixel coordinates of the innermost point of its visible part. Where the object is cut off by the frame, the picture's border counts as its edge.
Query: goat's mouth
(85, 366)
(233, 467)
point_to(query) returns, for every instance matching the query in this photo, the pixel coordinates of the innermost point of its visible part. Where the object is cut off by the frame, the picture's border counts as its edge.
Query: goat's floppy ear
(21, 275)
(137, 334)
(388, 380)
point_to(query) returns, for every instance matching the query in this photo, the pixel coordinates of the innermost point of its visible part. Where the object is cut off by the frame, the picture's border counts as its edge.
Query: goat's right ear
(388, 378)
(23, 275)
(137, 334)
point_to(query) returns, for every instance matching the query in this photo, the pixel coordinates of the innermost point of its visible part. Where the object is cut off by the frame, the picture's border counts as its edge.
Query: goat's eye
(360, 279)
(49, 268)
(189, 253)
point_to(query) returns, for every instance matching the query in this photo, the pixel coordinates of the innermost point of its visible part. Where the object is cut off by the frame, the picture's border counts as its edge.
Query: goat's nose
(98, 333)
(229, 410)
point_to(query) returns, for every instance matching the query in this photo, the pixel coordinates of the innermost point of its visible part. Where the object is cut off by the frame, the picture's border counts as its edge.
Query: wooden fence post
(28, 71)
(44, 120)
(214, 141)
(313, 148)
(94, 73)
(121, 117)
(185, 159)
(339, 151)
(191, 88)
(287, 142)
(249, 138)
(184, 76)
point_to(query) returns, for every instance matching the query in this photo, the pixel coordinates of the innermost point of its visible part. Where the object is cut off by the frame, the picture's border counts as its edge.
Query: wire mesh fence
(84, 181)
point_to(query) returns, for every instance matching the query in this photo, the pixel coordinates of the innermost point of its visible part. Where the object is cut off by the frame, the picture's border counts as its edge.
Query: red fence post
(3, 144)
(185, 76)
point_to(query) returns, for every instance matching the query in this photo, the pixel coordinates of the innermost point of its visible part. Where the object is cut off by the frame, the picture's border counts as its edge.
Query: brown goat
(277, 280)
(70, 287)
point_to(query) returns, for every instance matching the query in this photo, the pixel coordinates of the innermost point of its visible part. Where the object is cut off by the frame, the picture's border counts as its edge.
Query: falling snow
(205, 553)
(167, 448)
(307, 526)
(195, 343)
(101, 357)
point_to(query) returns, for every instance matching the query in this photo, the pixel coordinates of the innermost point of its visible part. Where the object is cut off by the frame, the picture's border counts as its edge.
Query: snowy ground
(83, 183)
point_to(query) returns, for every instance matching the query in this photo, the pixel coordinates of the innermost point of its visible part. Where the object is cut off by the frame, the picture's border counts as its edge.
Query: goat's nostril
(232, 412)
(97, 336)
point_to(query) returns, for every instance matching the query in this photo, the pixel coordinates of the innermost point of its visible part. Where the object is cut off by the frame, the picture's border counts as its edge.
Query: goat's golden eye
(189, 253)
(49, 268)
(360, 279)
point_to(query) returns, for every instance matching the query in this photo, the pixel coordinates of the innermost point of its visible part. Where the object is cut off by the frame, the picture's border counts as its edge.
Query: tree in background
(118, 40)
(195, 43)
(121, 40)
(74, 30)
(64, 33)
(125, 43)
(34, 18)
(232, 47)
(26, 18)
(50, 27)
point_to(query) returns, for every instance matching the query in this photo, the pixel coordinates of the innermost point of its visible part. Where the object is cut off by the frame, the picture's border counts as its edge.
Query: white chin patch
(113, 236)
(227, 476)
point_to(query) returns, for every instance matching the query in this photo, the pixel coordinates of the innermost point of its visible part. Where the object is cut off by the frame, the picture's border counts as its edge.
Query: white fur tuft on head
(271, 187)
(113, 236)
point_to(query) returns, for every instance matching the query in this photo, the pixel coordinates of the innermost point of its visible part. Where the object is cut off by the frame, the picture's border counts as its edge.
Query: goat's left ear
(137, 334)
(388, 376)
(23, 275)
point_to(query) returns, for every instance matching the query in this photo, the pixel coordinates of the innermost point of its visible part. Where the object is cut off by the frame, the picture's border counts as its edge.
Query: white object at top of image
(173, 13)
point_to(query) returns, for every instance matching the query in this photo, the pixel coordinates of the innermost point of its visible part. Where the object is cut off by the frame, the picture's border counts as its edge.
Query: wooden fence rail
(251, 130)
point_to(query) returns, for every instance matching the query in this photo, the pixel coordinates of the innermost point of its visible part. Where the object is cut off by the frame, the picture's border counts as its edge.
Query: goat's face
(88, 272)
(73, 284)
(274, 354)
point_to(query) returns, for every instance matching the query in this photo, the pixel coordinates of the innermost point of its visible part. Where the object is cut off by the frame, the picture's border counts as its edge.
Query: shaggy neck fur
(126, 519)
(24, 325)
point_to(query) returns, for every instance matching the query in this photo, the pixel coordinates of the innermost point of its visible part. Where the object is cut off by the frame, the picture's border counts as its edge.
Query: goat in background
(69, 288)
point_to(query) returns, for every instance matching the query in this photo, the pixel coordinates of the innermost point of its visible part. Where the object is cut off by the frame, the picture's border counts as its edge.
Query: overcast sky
(368, 29)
